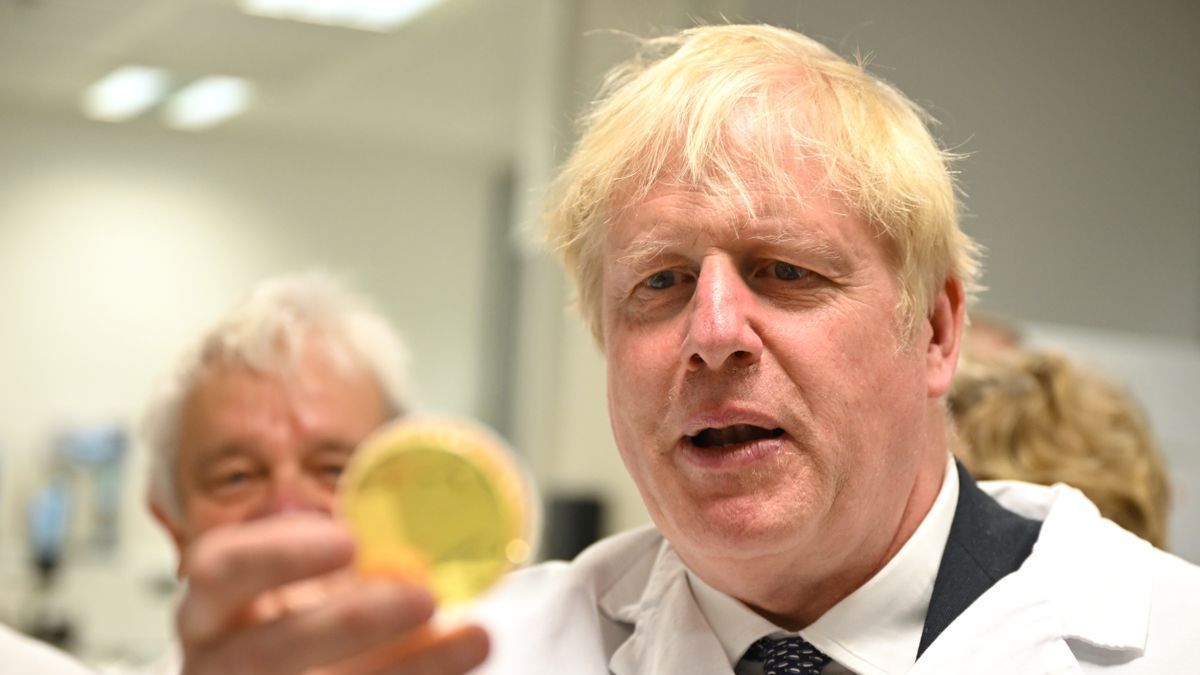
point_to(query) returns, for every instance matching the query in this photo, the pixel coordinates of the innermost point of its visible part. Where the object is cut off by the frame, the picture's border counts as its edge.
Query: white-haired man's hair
(265, 333)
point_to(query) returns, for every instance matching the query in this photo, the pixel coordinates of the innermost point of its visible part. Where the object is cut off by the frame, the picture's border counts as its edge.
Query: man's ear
(946, 317)
(175, 530)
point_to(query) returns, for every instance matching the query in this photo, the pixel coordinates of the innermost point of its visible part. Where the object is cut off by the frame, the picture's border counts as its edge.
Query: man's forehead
(677, 213)
(225, 391)
(230, 396)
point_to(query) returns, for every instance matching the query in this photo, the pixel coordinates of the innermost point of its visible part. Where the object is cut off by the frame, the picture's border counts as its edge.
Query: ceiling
(449, 79)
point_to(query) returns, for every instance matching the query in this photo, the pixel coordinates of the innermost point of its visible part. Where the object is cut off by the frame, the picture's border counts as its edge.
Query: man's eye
(788, 272)
(233, 479)
(661, 280)
(332, 470)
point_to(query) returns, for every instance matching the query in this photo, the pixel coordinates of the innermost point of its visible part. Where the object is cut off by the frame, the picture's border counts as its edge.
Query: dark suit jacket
(986, 543)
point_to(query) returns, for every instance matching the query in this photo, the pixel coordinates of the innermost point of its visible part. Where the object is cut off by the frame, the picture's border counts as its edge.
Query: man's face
(759, 391)
(253, 445)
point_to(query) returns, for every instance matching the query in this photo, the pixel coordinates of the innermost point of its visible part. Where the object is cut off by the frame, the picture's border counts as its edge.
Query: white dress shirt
(874, 630)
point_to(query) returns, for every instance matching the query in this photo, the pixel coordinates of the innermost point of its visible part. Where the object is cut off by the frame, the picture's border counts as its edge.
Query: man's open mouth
(732, 435)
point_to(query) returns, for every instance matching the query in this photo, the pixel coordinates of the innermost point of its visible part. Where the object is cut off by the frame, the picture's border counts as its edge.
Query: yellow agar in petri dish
(441, 502)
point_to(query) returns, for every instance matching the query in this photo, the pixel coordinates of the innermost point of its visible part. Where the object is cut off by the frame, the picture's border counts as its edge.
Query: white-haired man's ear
(174, 530)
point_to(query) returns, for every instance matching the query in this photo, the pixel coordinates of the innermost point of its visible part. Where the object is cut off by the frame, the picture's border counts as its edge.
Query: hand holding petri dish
(441, 502)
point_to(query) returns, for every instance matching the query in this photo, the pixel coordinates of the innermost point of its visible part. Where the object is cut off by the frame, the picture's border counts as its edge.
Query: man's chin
(735, 528)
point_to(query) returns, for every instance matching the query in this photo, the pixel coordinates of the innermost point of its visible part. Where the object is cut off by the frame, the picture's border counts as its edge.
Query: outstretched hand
(278, 596)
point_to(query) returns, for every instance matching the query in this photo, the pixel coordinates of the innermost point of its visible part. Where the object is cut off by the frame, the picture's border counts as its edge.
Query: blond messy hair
(673, 113)
(1036, 417)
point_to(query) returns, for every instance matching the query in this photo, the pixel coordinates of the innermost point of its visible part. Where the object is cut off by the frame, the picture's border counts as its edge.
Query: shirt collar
(875, 629)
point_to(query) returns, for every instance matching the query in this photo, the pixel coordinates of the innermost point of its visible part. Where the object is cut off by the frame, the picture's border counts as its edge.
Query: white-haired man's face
(253, 445)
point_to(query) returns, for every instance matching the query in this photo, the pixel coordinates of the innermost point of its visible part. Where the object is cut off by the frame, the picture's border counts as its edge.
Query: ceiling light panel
(376, 15)
(125, 93)
(208, 102)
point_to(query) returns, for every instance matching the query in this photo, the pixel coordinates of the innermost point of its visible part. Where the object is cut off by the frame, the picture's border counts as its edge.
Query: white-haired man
(258, 418)
(260, 415)
(254, 424)
(766, 246)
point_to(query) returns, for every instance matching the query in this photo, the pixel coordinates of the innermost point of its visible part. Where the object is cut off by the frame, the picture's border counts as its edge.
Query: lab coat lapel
(670, 634)
(986, 543)
(1010, 629)
(1102, 585)
(1079, 587)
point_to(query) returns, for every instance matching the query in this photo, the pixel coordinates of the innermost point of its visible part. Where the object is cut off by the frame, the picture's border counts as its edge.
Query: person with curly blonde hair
(1037, 417)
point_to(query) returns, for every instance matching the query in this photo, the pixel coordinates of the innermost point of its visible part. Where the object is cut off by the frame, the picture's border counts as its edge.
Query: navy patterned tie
(787, 656)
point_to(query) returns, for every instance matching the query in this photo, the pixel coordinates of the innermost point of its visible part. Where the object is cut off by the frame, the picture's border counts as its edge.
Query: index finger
(229, 567)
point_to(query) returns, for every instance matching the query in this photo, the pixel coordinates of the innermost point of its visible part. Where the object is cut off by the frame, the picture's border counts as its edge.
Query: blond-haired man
(766, 247)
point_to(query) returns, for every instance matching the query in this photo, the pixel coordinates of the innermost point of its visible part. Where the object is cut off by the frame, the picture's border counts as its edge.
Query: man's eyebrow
(642, 252)
(802, 240)
(207, 456)
(339, 445)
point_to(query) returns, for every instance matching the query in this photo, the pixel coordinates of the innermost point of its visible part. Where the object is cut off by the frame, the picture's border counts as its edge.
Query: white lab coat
(20, 655)
(1090, 598)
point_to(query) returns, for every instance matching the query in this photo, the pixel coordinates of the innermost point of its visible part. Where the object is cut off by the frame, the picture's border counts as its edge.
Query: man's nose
(720, 328)
(290, 492)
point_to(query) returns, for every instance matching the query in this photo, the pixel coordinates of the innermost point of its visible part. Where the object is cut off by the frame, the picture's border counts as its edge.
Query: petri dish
(442, 502)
